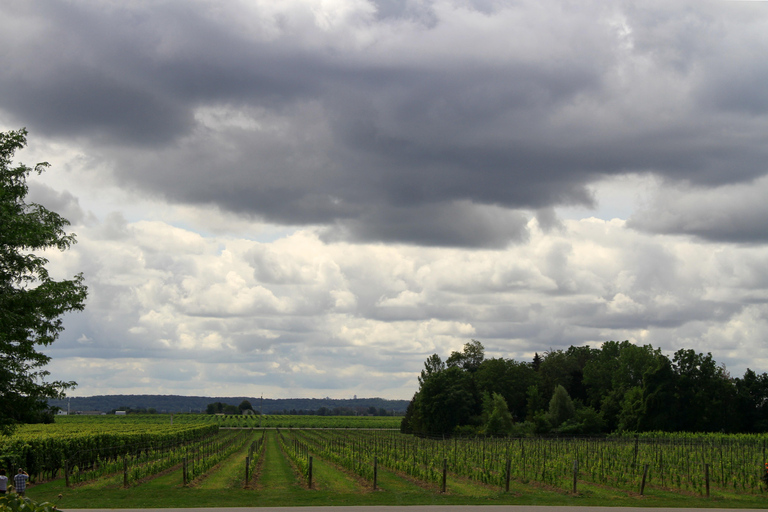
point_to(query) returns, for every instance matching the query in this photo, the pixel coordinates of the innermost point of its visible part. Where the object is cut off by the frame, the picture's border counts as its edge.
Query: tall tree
(609, 377)
(470, 358)
(31, 302)
(432, 365)
(705, 395)
(752, 402)
(561, 406)
(499, 419)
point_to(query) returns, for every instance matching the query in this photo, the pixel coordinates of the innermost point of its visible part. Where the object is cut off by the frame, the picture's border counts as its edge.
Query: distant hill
(177, 403)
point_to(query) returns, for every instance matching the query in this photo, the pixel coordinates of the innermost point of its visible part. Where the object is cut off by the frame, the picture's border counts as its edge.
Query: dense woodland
(583, 390)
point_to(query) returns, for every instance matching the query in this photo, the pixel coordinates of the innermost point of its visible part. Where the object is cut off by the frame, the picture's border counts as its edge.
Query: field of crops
(110, 452)
(698, 464)
(240, 421)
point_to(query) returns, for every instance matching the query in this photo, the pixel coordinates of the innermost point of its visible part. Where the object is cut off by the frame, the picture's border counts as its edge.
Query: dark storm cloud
(85, 102)
(400, 120)
(441, 224)
(731, 213)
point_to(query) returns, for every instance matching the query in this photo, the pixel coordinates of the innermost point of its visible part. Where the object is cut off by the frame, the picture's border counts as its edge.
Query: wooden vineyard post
(706, 477)
(184, 471)
(375, 471)
(247, 465)
(642, 483)
(66, 473)
(509, 475)
(575, 474)
(125, 471)
(310, 472)
(445, 474)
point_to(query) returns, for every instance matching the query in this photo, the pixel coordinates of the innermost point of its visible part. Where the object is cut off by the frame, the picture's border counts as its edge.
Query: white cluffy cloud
(297, 316)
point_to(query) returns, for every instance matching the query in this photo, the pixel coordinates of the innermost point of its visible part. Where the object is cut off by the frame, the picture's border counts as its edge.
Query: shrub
(15, 503)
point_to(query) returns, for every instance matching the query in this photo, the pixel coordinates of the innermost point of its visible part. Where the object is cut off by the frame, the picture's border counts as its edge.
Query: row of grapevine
(199, 461)
(255, 452)
(144, 463)
(682, 463)
(198, 457)
(296, 451)
(321, 442)
(48, 453)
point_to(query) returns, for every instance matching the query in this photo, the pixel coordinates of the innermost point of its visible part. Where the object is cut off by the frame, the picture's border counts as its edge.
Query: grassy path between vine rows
(278, 485)
(230, 473)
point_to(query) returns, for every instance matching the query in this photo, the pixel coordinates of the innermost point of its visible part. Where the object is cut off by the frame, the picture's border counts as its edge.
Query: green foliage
(499, 418)
(445, 401)
(508, 378)
(611, 464)
(469, 359)
(222, 408)
(31, 302)
(561, 407)
(619, 387)
(16, 503)
(534, 402)
(432, 365)
(631, 410)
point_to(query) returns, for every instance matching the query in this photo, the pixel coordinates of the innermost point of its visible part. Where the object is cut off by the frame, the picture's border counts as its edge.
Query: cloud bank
(314, 196)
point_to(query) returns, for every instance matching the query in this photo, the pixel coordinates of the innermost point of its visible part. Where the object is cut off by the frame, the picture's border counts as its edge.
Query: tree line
(581, 390)
(223, 408)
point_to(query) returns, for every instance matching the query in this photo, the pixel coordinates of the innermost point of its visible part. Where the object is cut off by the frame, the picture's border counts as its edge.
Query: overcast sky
(307, 198)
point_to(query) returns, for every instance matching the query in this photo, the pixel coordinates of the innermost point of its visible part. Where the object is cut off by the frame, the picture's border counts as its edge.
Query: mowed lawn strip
(276, 475)
(230, 473)
(393, 483)
(328, 477)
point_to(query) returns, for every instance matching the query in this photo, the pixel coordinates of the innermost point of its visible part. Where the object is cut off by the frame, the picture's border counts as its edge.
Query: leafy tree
(410, 418)
(535, 403)
(632, 408)
(589, 421)
(499, 419)
(561, 407)
(445, 401)
(221, 408)
(704, 393)
(614, 371)
(31, 302)
(536, 363)
(245, 405)
(469, 359)
(231, 409)
(752, 402)
(659, 401)
(432, 365)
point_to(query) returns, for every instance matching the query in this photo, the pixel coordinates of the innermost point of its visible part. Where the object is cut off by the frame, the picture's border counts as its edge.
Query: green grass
(284, 490)
(230, 474)
(277, 484)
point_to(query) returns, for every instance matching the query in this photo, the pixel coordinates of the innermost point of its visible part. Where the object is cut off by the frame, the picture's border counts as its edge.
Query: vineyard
(241, 421)
(111, 454)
